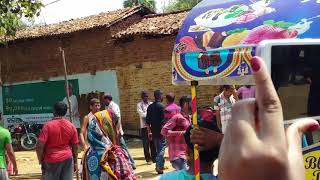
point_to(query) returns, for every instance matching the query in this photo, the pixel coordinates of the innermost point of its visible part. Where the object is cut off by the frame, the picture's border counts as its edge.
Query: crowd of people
(167, 124)
(244, 130)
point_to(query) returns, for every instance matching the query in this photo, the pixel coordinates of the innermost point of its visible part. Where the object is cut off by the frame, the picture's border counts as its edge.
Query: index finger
(269, 107)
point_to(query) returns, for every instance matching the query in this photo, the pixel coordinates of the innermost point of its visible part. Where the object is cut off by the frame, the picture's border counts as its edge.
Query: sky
(63, 10)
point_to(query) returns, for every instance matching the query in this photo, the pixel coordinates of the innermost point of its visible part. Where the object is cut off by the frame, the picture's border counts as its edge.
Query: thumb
(295, 131)
(294, 139)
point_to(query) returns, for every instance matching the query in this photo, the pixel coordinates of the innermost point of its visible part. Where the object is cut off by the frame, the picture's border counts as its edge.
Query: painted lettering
(311, 162)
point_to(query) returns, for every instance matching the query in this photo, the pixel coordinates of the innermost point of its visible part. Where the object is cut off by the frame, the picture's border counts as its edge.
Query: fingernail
(255, 64)
(313, 127)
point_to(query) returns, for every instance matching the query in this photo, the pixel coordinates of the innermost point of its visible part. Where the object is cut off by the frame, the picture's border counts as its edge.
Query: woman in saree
(104, 159)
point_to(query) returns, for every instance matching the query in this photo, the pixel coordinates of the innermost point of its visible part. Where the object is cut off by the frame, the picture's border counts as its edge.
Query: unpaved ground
(30, 169)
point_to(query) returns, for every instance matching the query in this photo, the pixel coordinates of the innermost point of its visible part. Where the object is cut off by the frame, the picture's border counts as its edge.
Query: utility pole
(67, 93)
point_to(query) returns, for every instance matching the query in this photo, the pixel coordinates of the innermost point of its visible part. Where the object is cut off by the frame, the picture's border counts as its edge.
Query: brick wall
(144, 63)
(85, 51)
(147, 66)
(39, 59)
(153, 75)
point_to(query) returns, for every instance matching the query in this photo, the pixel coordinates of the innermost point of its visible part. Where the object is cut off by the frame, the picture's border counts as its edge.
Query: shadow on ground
(142, 158)
(147, 174)
(26, 176)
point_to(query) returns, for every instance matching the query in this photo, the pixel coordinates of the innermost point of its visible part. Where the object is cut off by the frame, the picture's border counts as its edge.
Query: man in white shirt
(116, 112)
(74, 108)
(148, 146)
(223, 105)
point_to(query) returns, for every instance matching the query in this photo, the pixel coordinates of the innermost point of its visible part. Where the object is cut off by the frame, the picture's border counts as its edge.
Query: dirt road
(30, 169)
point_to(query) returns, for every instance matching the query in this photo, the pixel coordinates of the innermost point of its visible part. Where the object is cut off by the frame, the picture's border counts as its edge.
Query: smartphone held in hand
(289, 52)
(294, 65)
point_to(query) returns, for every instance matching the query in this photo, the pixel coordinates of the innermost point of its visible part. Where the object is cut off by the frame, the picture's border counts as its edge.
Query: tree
(12, 11)
(151, 4)
(178, 5)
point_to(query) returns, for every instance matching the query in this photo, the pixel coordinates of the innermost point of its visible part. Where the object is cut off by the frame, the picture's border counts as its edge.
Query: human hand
(15, 170)
(206, 138)
(181, 133)
(150, 136)
(255, 145)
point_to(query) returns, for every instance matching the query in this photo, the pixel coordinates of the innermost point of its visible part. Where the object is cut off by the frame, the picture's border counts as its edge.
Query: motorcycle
(24, 135)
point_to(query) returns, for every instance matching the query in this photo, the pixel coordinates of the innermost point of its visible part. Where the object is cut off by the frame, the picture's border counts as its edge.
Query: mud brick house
(134, 43)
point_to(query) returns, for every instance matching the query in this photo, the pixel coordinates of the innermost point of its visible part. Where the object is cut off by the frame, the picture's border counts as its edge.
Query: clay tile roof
(103, 19)
(157, 24)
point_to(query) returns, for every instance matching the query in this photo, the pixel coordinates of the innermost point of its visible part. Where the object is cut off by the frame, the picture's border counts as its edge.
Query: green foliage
(11, 12)
(151, 4)
(177, 5)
